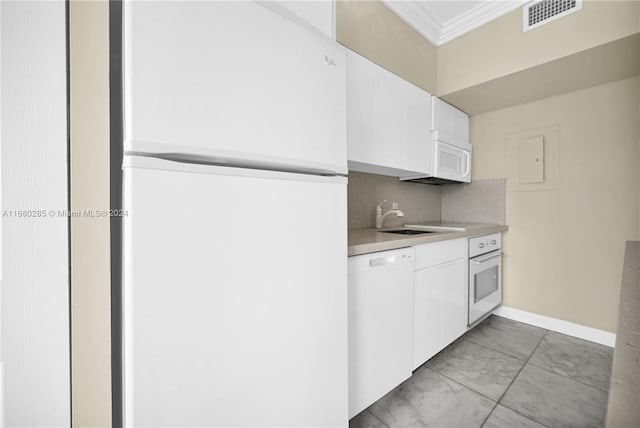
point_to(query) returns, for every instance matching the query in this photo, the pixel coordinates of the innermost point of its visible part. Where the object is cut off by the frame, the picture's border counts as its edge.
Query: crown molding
(419, 16)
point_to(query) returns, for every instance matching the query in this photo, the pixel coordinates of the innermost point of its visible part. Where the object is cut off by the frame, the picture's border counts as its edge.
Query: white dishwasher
(380, 324)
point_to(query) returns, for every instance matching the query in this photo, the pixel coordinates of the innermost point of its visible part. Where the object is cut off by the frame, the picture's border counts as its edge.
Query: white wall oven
(485, 276)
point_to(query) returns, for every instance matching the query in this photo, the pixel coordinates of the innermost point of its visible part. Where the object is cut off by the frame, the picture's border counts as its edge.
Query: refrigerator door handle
(172, 165)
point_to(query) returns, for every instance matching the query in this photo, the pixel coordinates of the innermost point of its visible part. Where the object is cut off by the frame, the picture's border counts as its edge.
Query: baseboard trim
(565, 327)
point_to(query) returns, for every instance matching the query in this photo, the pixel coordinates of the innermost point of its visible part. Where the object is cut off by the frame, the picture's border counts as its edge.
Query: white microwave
(451, 163)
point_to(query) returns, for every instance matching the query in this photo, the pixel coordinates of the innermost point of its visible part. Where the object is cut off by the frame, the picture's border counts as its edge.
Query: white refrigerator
(234, 246)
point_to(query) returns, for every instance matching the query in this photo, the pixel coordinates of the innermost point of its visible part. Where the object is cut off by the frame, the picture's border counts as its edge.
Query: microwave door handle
(467, 163)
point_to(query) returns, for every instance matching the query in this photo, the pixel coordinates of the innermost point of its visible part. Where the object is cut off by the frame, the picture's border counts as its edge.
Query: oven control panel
(484, 244)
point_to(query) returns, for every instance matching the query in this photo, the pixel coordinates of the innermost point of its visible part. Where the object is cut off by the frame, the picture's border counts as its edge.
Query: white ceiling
(441, 21)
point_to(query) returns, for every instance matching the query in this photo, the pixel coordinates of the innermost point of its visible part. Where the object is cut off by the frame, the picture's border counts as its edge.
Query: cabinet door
(427, 314)
(452, 124)
(232, 80)
(442, 116)
(359, 108)
(388, 118)
(418, 156)
(460, 126)
(454, 300)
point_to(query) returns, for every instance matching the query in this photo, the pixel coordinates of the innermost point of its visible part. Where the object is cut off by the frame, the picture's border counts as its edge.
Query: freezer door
(234, 81)
(235, 298)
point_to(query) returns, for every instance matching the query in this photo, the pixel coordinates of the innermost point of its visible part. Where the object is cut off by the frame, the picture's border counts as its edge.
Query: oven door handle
(483, 259)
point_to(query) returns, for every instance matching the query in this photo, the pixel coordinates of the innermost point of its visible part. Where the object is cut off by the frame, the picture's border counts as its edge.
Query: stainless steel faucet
(380, 217)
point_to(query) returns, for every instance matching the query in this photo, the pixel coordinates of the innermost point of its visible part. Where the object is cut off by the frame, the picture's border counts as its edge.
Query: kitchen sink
(408, 231)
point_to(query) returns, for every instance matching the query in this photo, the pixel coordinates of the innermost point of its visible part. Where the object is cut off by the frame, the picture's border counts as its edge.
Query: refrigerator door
(235, 297)
(233, 81)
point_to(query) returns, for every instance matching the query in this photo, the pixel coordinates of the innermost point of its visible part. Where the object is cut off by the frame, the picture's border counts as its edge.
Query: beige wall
(371, 29)
(563, 252)
(606, 63)
(90, 262)
(419, 202)
(500, 47)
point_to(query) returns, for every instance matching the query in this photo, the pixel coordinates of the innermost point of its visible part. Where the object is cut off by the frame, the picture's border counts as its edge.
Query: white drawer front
(439, 252)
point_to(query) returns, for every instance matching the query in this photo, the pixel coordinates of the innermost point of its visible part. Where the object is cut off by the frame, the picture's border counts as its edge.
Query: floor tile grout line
(567, 377)
(489, 415)
(488, 398)
(502, 352)
(527, 360)
(511, 383)
(514, 411)
(506, 389)
(381, 421)
(496, 350)
(426, 365)
(516, 376)
(523, 366)
(462, 385)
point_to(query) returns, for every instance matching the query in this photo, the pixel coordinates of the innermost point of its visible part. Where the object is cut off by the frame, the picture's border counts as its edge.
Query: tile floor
(501, 374)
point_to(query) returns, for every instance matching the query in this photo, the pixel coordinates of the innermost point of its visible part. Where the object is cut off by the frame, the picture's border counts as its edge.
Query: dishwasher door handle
(382, 261)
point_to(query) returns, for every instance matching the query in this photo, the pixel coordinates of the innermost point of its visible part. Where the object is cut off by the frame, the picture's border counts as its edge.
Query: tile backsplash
(481, 201)
(419, 202)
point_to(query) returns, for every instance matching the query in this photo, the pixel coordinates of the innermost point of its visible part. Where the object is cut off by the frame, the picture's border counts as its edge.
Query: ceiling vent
(540, 12)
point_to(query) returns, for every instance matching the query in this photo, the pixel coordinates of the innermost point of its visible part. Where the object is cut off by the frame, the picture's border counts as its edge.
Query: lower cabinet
(440, 298)
(454, 300)
(427, 314)
(405, 306)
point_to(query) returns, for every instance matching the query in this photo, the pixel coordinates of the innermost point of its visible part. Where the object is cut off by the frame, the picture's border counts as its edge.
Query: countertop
(624, 392)
(364, 241)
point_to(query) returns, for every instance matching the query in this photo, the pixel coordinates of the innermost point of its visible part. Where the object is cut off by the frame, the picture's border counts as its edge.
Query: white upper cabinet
(233, 81)
(418, 154)
(389, 111)
(318, 14)
(388, 121)
(359, 109)
(451, 124)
